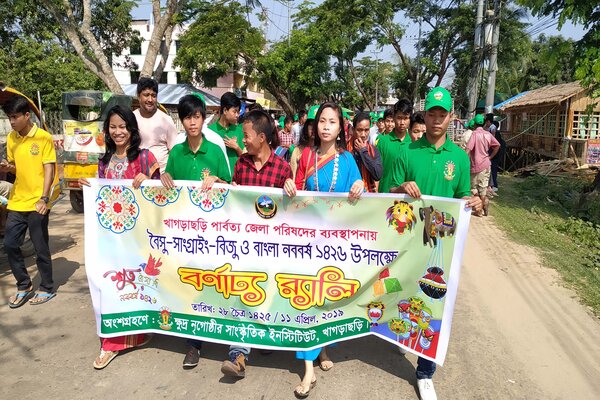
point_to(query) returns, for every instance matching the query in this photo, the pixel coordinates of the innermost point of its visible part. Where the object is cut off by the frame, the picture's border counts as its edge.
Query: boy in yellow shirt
(31, 157)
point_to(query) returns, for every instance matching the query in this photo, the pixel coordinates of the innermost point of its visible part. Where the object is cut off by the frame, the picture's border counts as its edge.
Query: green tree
(587, 13)
(376, 79)
(296, 72)
(96, 30)
(220, 40)
(29, 66)
(514, 53)
(346, 37)
(551, 62)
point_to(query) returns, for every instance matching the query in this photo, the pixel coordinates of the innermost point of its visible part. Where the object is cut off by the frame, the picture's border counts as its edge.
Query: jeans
(17, 224)
(233, 349)
(425, 368)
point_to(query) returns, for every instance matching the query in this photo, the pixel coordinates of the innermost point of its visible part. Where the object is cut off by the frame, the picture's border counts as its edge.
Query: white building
(231, 82)
(137, 54)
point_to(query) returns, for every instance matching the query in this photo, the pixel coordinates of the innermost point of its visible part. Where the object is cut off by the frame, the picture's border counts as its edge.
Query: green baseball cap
(312, 112)
(295, 117)
(471, 124)
(438, 97)
(281, 121)
(478, 120)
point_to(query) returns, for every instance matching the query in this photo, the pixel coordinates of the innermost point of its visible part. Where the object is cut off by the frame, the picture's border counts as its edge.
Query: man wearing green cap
(478, 148)
(433, 165)
(377, 129)
(390, 146)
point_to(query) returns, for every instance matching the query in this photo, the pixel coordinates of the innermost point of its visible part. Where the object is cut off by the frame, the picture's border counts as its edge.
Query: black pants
(16, 226)
(494, 174)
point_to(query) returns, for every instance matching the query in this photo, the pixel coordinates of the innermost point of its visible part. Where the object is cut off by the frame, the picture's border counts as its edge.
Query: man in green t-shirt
(228, 128)
(390, 146)
(196, 159)
(435, 166)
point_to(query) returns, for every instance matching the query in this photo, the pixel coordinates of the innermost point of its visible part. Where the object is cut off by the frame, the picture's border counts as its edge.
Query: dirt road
(517, 334)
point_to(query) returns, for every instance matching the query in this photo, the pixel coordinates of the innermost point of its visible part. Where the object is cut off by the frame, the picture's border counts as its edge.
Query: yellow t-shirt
(29, 154)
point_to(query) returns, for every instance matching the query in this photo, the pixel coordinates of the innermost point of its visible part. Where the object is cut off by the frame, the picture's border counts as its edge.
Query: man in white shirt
(297, 128)
(157, 130)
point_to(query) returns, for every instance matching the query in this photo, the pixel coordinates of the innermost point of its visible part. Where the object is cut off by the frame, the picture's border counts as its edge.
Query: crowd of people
(402, 151)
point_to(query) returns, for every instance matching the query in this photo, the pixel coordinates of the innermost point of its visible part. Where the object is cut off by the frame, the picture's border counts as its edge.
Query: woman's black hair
(340, 142)
(304, 139)
(189, 105)
(361, 116)
(127, 115)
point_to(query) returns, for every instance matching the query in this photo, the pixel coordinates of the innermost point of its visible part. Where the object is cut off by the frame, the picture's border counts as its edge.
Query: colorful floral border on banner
(252, 266)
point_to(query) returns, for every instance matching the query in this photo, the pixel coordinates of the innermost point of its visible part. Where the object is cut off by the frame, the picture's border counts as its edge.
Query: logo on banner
(265, 207)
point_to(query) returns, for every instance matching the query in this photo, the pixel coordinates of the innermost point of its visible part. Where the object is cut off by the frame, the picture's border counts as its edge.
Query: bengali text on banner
(251, 266)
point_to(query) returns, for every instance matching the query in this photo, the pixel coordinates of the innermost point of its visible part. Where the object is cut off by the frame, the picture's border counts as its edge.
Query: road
(517, 334)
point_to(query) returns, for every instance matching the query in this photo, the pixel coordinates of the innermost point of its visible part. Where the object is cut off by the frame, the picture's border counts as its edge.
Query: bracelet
(45, 199)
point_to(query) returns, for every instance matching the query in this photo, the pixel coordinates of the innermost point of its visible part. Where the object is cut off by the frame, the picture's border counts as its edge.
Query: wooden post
(574, 155)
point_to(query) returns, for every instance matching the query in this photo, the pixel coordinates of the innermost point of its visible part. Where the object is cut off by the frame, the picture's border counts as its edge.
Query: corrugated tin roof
(552, 94)
(170, 94)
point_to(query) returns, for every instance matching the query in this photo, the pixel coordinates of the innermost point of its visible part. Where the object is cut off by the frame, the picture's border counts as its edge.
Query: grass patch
(543, 213)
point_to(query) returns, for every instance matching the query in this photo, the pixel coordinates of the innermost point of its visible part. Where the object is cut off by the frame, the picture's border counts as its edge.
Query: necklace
(336, 163)
(118, 166)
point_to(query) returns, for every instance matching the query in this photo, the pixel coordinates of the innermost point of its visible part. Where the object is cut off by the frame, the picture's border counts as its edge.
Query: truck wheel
(76, 197)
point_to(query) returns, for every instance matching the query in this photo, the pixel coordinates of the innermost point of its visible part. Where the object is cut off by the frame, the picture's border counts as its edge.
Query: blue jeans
(425, 368)
(233, 349)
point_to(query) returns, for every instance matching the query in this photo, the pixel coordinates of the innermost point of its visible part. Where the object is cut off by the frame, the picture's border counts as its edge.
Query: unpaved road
(517, 334)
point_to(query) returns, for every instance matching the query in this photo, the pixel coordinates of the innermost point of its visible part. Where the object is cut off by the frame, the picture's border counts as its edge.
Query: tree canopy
(586, 13)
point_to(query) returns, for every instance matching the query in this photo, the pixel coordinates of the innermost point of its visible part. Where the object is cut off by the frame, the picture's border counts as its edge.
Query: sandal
(41, 298)
(104, 358)
(300, 389)
(20, 298)
(325, 364)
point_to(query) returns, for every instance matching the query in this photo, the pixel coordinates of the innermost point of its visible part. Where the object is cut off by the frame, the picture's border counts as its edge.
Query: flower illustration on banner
(116, 208)
(208, 200)
(160, 196)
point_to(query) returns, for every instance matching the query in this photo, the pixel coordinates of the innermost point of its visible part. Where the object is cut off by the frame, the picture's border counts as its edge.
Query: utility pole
(493, 65)
(376, 81)
(376, 102)
(473, 79)
(289, 19)
(416, 97)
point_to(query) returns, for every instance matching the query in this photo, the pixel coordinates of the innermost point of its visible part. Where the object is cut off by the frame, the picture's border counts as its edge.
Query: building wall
(231, 82)
(145, 30)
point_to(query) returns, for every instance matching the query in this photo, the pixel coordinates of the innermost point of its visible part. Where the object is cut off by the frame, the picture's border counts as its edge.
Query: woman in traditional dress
(123, 160)
(326, 167)
(366, 155)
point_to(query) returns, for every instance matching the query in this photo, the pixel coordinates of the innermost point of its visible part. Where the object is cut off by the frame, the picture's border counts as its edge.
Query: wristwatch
(46, 199)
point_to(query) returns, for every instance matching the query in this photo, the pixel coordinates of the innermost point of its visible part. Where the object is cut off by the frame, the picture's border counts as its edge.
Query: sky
(277, 24)
(277, 27)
